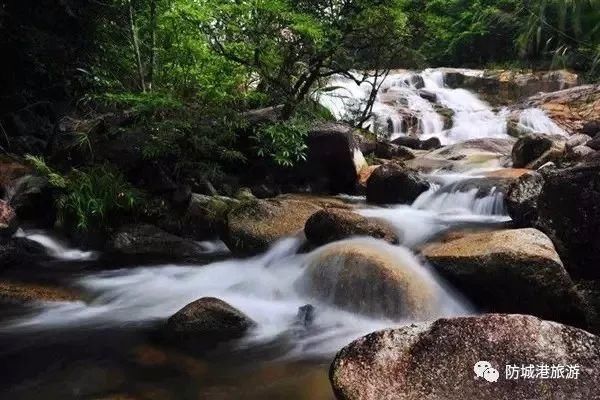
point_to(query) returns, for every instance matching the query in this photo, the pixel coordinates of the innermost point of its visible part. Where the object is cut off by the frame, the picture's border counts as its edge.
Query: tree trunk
(153, 28)
(136, 45)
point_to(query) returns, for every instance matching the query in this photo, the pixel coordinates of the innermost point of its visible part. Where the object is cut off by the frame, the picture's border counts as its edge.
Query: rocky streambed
(458, 241)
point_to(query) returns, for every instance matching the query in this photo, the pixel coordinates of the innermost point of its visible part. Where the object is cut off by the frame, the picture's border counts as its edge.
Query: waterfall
(406, 96)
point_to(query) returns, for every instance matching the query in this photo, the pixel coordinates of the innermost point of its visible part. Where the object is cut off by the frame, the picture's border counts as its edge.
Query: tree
(568, 31)
(294, 45)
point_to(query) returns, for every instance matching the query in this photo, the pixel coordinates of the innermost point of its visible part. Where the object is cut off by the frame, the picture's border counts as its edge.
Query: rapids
(118, 302)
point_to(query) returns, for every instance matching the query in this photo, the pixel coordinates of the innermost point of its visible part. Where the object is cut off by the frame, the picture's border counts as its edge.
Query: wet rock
(331, 225)
(253, 226)
(363, 178)
(393, 151)
(20, 292)
(577, 140)
(394, 183)
(504, 86)
(510, 271)
(534, 150)
(418, 144)
(568, 210)
(366, 140)
(143, 242)
(8, 219)
(334, 155)
(205, 322)
(579, 153)
(306, 316)
(436, 360)
(476, 153)
(591, 128)
(32, 199)
(370, 278)
(18, 253)
(522, 196)
(594, 143)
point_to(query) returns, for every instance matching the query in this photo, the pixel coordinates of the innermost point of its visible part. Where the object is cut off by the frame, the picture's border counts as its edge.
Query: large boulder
(253, 226)
(330, 225)
(437, 360)
(334, 156)
(205, 322)
(568, 210)
(8, 219)
(147, 243)
(564, 204)
(534, 150)
(509, 271)
(372, 278)
(521, 198)
(394, 183)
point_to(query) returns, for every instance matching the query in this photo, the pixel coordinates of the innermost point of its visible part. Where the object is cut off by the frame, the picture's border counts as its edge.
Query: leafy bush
(284, 141)
(90, 199)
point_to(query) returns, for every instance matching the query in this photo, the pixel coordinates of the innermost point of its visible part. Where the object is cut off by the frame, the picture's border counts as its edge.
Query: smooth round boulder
(253, 226)
(510, 271)
(206, 321)
(534, 150)
(372, 278)
(434, 361)
(333, 224)
(394, 183)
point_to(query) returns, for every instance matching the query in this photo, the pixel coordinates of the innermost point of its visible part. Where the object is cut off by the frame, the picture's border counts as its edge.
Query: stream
(104, 346)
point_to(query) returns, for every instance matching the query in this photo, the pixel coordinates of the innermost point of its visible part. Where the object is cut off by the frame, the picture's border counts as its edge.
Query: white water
(262, 287)
(400, 100)
(56, 247)
(536, 121)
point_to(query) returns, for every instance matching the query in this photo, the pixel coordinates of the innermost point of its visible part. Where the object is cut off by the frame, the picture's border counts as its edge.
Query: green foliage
(291, 45)
(90, 199)
(566, 31)
(283, 141)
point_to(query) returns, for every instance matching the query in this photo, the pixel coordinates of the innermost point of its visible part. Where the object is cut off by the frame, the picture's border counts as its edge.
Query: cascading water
(406, 96)
(266, 287)
(263, 287)
(55, 247)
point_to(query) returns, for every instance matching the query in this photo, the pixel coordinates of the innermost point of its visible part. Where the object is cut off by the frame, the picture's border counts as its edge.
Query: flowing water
(406, 96)
(103, 345)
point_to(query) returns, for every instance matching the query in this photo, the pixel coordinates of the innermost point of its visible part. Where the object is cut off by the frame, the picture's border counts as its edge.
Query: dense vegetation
(188, 70)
